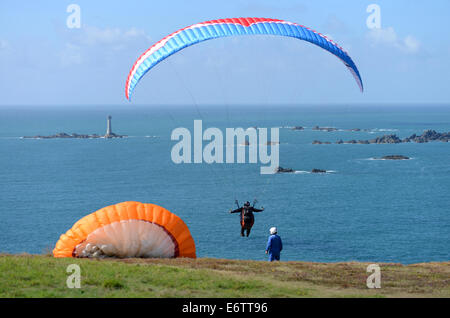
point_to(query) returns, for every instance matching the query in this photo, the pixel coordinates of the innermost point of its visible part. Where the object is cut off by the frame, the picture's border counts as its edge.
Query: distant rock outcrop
(395, 157)
(113, 135)
(386, 139)
(317, 142)
(427, 136)
(74, 135)
(284, 170)
(289, 170)
(328, 129)
(109, 134)
(324, 128)
(318, 171)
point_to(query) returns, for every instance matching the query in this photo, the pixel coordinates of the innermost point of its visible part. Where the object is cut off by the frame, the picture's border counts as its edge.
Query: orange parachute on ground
(127, 229)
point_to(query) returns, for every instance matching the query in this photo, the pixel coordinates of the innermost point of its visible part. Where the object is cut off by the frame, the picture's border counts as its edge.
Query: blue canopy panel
(231, 27)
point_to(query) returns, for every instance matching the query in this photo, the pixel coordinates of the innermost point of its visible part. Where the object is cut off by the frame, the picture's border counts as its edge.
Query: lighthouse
(109, 132)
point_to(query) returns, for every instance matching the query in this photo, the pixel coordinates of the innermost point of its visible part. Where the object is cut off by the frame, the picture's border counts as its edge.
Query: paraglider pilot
(274, 245)
(247, 217)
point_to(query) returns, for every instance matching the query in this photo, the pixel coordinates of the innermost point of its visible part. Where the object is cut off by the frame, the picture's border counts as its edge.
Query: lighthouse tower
(109, 132)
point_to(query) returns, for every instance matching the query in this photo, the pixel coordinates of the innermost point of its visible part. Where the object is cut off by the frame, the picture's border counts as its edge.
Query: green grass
(44, 276)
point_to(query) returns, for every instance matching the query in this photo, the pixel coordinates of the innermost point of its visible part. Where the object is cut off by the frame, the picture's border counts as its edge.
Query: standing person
(274, 245)
(247, 217)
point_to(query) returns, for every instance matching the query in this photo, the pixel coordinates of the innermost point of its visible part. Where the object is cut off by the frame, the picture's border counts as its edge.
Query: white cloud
(411, 44)
(108, 36)
(70, 55)
(389, 37)
(3, 45)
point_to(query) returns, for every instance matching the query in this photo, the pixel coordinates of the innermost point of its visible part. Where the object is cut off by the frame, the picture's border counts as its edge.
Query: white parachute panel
(128, 238)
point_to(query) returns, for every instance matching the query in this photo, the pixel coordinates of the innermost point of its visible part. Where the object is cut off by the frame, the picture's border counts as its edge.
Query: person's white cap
(273, 230)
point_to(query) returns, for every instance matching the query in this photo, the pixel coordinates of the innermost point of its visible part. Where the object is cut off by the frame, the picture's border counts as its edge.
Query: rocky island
(108, 134)
(394, 157)
(327, 129)
(318, 142)
(427, 136)
(318, 171)
(324, 128)
(284, 170)
(289, 170)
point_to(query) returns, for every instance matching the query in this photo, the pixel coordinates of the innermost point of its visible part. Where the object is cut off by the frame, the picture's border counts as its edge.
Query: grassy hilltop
(44, 276)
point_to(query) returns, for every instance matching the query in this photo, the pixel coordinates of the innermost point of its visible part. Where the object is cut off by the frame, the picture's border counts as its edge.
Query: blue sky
(43, 62)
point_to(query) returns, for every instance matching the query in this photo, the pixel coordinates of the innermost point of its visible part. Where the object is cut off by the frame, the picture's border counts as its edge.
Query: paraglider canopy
(208, 30)
(127, 229)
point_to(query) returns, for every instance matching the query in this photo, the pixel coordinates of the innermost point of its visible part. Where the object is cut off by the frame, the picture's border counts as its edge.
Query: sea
(362, 209)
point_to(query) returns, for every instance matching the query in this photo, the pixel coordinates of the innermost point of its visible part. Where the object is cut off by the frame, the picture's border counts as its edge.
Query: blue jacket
(274, 245)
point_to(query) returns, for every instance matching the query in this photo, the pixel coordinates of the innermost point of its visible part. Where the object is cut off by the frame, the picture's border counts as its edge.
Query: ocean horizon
(364, 210)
